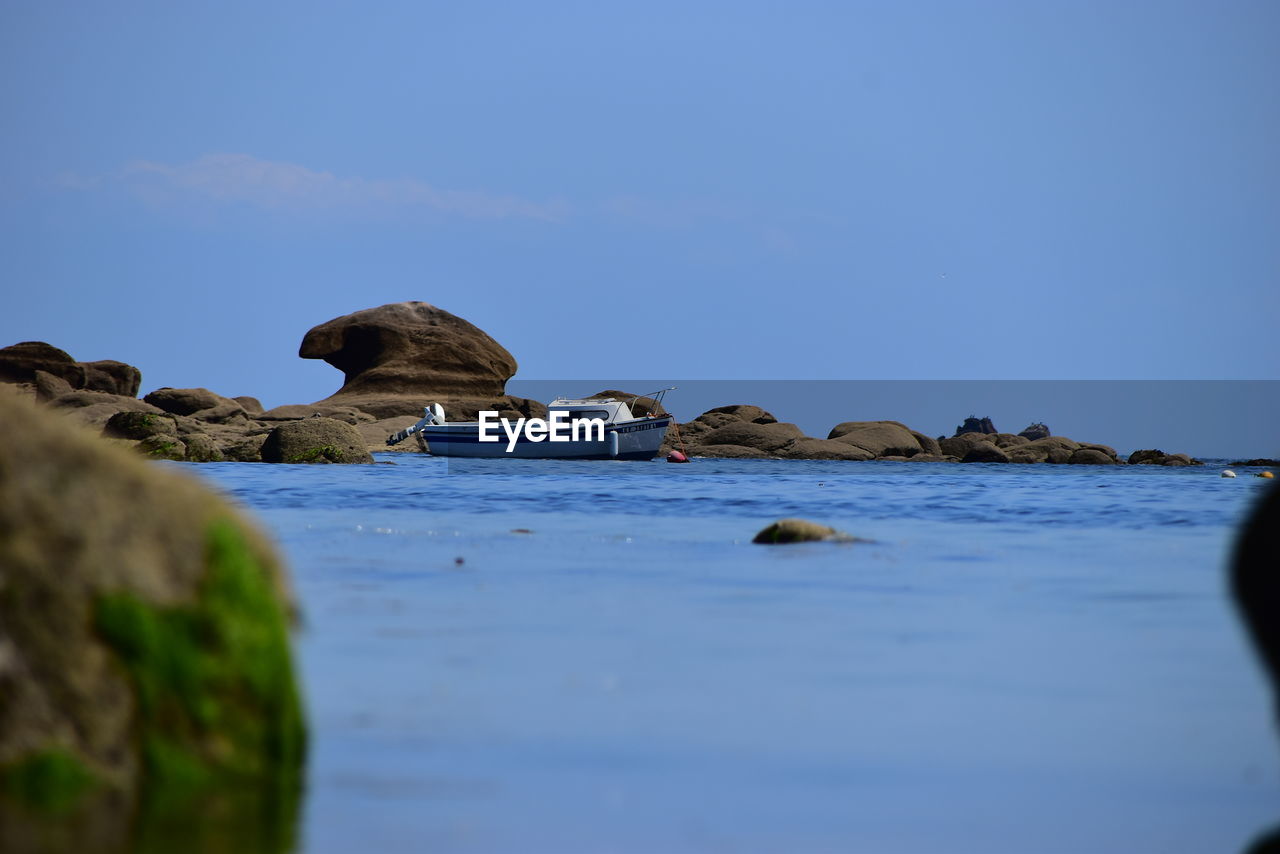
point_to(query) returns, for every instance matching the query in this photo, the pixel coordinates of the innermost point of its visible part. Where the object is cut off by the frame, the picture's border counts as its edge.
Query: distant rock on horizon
(973, 424)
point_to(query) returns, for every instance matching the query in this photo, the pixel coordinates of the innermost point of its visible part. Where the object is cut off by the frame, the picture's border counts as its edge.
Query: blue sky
(928, 190)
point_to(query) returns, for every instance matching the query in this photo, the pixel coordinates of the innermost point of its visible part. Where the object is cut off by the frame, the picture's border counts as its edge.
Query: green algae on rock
(145, 666)
(214, 681)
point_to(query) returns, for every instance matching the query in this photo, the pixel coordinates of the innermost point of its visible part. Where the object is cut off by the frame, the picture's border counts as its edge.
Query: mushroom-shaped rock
(144, 629)
(800, 531)
(315, 440)
(410, 348)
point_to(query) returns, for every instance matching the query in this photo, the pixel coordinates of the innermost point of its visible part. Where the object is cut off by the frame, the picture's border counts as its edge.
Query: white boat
(593, 428)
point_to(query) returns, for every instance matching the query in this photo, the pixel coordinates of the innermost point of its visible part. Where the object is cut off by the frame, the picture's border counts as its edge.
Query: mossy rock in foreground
(146, 672)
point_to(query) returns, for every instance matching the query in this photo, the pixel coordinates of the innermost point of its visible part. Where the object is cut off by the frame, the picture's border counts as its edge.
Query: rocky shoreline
(400, 357)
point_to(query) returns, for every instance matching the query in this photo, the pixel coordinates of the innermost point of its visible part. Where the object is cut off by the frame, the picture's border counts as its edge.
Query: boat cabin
(606, 408)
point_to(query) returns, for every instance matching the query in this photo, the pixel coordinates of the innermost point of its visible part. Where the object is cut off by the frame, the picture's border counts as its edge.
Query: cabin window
(586, 414)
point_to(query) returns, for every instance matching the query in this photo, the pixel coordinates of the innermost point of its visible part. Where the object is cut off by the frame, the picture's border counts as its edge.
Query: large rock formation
(22, 362)
(144, 649)
(400, 357)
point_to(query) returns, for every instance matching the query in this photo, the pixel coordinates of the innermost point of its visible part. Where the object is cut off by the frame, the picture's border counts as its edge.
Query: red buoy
(677, 457)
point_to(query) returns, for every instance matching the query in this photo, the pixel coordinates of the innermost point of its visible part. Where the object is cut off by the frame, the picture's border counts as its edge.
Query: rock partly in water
(1156, 457)
(973, 424)
(879, 438)
(984, 452)
(1091, 457)
(146, 670)
(315, 440)
(801, 531)
(20, 362)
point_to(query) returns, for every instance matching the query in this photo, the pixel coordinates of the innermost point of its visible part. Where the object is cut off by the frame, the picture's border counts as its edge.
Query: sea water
(528, 656)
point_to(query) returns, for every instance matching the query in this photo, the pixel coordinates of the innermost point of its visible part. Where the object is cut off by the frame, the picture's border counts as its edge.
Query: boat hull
(635, 440)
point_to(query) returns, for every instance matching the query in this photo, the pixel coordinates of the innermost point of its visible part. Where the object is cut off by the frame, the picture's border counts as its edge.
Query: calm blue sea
(533, 656)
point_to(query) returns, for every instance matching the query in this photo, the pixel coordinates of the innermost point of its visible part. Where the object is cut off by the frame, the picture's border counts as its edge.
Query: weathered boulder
(1156, 457)
(800, 531)
(315, 440)
(94, 408)
(144, 632)
(744, 412)
(729, 452)
(408, 350)
(973, 424)
(984, 452)
(19, 363)
(1006, 441)
(139, 425)
(1034, 431)
(767, 438)
(112, 377)
(693, 437)
(880, 438)
(184, 401)
(929, 446)
(49, 386)
(808, 448)
(958, 446)
(1091, 457)
(251, 405)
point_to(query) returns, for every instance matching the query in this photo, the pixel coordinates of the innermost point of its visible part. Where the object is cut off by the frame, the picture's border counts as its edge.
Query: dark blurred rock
(146, 664)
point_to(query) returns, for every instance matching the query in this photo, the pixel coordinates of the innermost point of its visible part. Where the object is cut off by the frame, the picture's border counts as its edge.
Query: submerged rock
(144, 648)
(801, 531)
